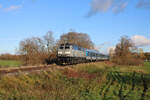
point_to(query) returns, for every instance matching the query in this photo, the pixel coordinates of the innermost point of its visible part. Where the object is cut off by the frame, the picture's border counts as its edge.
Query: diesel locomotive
(73, 54)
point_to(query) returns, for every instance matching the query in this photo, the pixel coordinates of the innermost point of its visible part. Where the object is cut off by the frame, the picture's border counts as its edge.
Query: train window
(75, 47)
(79, 48)
(93, 54)
(61, 46)
(83, 49)
(67, 46)
(90, 54)
(87, 53)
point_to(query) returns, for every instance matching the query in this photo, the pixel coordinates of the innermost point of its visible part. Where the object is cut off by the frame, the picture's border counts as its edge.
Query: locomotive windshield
(61, 46)
(67, 46)
(64, 46)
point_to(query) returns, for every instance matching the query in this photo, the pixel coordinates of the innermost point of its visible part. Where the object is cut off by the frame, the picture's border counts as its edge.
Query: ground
(94, 81)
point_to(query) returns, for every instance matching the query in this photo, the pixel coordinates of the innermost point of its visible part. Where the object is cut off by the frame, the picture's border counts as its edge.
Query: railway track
(27, 69)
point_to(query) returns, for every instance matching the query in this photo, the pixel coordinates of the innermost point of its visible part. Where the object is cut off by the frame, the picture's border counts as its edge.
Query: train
(73, 54)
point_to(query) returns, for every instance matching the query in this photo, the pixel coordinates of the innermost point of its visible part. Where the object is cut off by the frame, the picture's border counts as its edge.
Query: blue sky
(104, 20)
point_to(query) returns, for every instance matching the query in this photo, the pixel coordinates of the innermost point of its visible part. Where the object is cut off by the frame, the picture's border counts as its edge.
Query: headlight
(67, 52)
(59, 52)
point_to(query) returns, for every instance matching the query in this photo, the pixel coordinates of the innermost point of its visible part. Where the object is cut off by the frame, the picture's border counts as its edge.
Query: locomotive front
(70, 54)
(64, 50)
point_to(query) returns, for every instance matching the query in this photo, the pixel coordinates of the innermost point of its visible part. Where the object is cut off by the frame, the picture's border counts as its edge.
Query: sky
(105, 21)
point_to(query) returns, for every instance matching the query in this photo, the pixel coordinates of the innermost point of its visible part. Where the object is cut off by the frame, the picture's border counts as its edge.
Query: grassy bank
(10, 63)
(97, 81)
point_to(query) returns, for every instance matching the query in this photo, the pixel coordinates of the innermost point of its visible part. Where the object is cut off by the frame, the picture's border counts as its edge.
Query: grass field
(147, 66)
(10, 63)
(97, 81)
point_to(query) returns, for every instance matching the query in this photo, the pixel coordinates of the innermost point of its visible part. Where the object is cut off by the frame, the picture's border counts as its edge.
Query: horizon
(105, 21)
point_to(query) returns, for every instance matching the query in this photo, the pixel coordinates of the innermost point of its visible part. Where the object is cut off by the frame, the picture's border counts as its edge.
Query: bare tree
(32, 49)
(124, 47)
(80, 39)
(49, 41)
(37, 50)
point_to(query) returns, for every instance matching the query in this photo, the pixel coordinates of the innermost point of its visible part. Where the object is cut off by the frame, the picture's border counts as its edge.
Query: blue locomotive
(73, 54)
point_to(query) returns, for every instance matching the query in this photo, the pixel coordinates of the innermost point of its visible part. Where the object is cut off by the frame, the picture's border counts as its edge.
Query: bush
(128, 60)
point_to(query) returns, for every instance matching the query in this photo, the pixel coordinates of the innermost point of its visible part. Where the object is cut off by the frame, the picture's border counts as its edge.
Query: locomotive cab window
(61, 46)
(67, 46)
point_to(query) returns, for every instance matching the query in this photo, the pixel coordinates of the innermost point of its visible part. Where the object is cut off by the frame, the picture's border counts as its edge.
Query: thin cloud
(143, 4)
(13, 8)
(120, 7)
(1, 6)
(116, 6)
(99, 6)
(139, 40)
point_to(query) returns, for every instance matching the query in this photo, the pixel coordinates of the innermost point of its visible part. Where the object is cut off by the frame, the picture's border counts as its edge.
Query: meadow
(94, 81)
(10, 63)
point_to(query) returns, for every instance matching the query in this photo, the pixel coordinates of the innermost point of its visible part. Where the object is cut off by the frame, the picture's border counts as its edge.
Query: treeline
(126, 53)
(43, 50)
(10, 57)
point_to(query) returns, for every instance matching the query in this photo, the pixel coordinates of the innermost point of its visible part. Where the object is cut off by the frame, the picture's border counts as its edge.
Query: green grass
(10, 63)
(147, 66)
(97, 81)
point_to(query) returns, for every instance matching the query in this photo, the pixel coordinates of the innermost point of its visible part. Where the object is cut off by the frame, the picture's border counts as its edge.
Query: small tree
(125, 53)
(49, 41)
